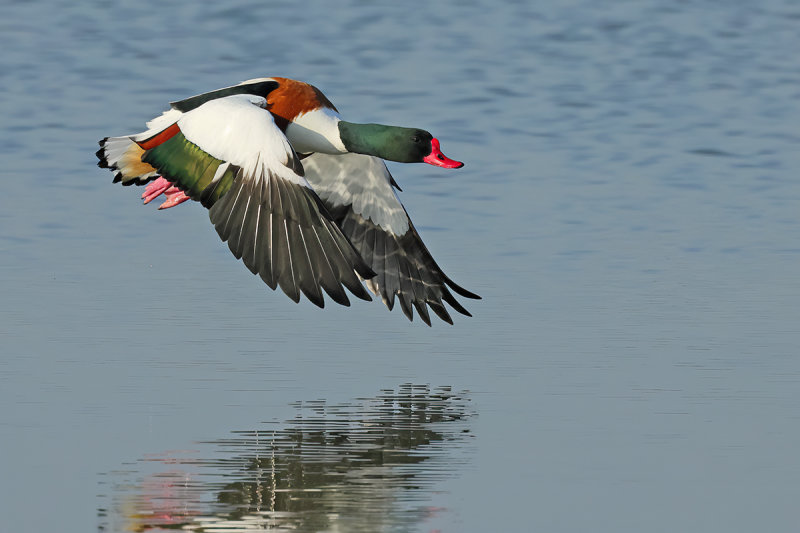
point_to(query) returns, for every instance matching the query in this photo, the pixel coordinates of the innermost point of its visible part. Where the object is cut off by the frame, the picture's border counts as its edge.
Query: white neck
(316, 131)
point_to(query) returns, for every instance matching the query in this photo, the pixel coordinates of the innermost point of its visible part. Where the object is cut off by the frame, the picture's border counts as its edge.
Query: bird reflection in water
(369, 465)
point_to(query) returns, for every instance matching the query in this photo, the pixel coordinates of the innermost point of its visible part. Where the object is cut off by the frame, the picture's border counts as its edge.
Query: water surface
(628, 211)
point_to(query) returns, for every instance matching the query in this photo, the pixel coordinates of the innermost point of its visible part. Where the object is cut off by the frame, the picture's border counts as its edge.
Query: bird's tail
(124, 156)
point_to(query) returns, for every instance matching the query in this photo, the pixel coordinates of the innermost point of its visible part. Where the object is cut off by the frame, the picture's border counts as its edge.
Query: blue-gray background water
(628, 211)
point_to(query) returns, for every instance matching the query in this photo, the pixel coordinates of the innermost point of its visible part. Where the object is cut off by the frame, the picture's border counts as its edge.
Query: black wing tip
(359, 291)
(291, 292)
(269, 280)
(461, 291)
(319, 301)
(315, 299)
(407, 305)
(441, 312)
(455, 304)
(340, 299)
(422, 311)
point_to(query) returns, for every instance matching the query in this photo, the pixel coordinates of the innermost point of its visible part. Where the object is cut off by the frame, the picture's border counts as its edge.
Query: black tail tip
(103, 162)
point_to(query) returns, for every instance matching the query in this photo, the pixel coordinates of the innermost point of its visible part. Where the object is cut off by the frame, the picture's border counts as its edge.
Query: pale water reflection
(367, 465)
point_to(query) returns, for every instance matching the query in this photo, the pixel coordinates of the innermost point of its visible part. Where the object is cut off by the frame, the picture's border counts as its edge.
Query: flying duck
(301, 196)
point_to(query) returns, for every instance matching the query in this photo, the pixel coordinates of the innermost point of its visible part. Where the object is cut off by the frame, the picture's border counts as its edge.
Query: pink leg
(154, 189)
(161, 186)
(175, 196)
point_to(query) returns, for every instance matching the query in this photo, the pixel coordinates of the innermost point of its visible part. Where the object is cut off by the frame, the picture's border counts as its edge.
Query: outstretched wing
(228, 154)
(357, 190)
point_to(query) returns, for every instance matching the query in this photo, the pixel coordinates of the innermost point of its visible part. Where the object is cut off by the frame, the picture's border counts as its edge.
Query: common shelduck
(329, 221)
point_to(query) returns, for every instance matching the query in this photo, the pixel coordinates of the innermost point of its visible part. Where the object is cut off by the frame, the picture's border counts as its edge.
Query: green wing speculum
(202, 177)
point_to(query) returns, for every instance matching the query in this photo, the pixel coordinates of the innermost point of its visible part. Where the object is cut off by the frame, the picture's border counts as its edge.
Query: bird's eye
(415, 139)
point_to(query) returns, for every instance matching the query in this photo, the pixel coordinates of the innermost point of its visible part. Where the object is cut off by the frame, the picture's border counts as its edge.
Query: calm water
(628, 210)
